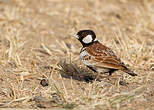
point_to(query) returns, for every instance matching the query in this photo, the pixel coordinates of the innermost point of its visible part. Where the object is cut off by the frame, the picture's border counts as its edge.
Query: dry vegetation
(39, 58)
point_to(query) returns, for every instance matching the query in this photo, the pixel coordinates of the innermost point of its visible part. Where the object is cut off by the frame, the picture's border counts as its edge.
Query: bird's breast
(85, 57)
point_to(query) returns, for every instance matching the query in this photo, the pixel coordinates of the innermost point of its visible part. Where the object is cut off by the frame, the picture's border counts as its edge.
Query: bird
(98, 57)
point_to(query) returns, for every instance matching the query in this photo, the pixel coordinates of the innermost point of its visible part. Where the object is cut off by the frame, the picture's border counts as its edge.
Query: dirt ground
(39, 59)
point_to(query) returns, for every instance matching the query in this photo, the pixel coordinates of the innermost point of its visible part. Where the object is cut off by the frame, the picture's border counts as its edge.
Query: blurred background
(35, 35)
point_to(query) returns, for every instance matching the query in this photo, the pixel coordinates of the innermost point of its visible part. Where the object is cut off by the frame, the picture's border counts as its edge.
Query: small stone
(118, 16)
(44, 82)
(123, 83)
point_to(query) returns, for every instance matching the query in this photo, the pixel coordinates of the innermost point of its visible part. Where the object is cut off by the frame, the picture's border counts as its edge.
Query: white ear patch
(87, 39)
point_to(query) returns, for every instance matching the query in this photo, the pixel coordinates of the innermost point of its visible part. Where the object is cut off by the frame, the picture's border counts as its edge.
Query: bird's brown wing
(109, 63)
(103, 56)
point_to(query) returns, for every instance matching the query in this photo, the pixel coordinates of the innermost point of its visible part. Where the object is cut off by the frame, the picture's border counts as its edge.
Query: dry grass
(36, 43)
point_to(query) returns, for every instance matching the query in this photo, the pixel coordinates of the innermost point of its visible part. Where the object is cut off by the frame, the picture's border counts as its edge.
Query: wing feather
(103, 56)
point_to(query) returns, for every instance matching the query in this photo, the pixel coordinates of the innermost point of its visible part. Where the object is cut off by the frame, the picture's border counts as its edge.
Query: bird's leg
(111, 71)
(91, 68)
(115, 76)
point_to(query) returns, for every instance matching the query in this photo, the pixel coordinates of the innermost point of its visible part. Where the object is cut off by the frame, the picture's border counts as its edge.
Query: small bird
(98, 57)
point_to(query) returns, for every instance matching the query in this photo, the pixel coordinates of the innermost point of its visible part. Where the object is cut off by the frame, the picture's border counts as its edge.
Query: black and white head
(86, 37)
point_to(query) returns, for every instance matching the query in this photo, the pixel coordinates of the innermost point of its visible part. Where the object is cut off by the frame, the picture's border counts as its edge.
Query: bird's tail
(125, 69)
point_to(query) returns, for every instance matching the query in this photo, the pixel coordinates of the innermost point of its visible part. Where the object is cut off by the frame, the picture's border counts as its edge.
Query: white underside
(102, 70)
